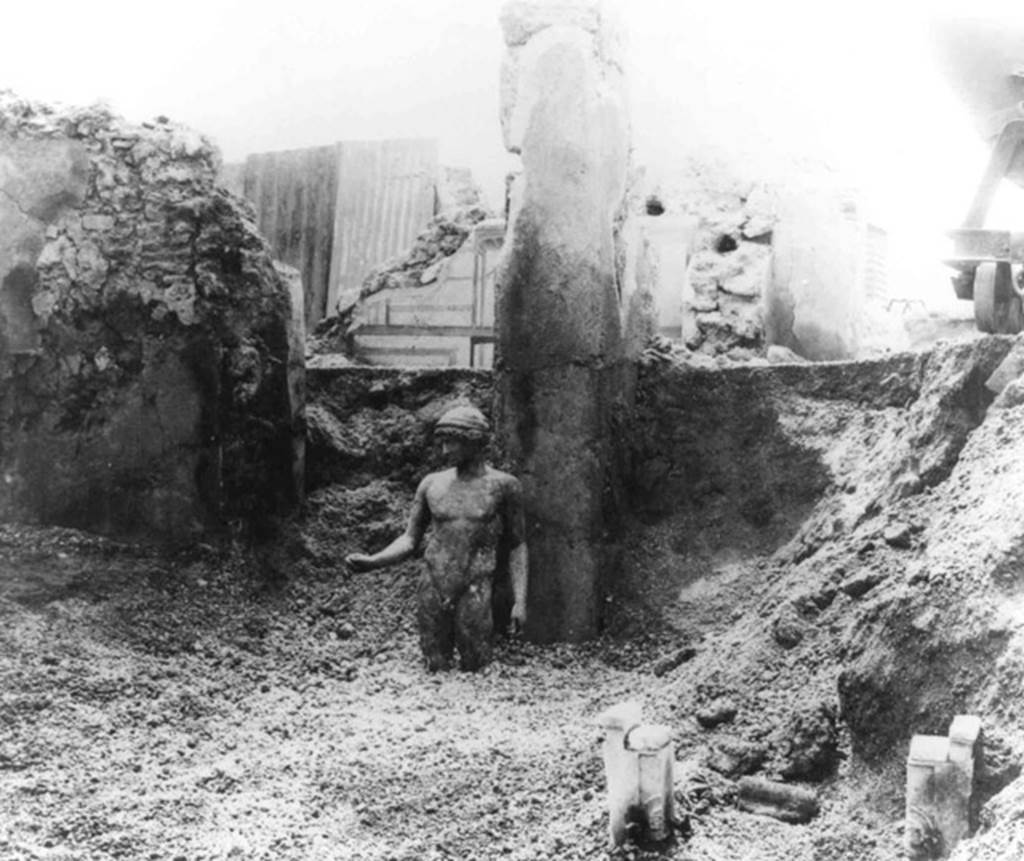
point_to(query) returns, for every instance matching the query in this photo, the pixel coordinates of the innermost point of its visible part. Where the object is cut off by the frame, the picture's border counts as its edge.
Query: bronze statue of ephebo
(475, 571)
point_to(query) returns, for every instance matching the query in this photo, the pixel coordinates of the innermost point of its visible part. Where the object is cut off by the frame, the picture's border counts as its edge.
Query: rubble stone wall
(778, 254)
(720, 221)
(146, 381)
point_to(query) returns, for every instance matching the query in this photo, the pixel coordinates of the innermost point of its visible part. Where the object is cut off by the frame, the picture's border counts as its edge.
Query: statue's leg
(474, 626)
(435, 617)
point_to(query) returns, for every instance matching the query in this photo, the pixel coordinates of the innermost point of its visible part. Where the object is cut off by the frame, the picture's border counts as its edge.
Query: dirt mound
(891, 599)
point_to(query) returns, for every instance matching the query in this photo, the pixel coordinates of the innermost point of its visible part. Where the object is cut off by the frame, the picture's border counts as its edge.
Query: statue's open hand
(518, 619)
(358, 562)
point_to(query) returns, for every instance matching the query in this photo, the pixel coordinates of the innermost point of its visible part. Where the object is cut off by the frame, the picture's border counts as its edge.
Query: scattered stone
(898, 535)
(1009, 370)
(907, 484)
(429, 275)
(788, 629)
(733, 757)
(433, 246)
(98, 222)
(925, 620)
(806, 606)
(332, 608)
(1010, 397)
(792, 804)
(858, 585)
(1000, 765)
(670, 662)
(824, 597)
(866, 548)
(718, 712)
(757, 227)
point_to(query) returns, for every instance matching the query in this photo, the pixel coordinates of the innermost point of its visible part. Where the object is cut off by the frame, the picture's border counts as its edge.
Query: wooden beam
(483, 334)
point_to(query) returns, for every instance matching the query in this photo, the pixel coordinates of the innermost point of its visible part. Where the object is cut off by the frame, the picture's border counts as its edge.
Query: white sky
(854, 85)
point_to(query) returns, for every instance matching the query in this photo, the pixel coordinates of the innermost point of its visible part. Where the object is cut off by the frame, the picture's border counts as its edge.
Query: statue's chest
(460, 502)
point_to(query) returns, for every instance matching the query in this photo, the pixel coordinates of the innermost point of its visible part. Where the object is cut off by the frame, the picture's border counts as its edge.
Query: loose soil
(264, 703)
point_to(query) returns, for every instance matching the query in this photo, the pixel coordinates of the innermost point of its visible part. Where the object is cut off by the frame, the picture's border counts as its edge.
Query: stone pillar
(561, 366)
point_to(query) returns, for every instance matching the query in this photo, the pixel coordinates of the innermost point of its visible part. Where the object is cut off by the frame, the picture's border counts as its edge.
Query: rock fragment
(733, 757)
(716, 713)
(788, 629)
(792, 804)
(859, 584)
(898, 535)
(670, 662)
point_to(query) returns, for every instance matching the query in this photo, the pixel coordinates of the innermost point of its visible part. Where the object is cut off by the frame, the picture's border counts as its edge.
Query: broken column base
(940, 779)
(639, 764)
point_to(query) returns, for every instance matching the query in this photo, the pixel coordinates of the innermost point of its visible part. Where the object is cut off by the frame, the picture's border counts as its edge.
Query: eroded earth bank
(819, 561)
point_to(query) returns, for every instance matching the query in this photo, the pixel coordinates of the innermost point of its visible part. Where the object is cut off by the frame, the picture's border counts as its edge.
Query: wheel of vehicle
(997, 307)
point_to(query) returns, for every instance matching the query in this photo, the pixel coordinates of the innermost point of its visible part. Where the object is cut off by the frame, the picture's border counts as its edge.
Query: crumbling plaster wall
(150, 362)
(777, 254)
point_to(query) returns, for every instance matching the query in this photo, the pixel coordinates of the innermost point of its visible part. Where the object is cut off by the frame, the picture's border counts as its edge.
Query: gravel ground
(234, 703)
(185, 708)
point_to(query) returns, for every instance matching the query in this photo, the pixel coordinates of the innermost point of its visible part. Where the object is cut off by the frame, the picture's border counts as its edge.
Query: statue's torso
(466, 516)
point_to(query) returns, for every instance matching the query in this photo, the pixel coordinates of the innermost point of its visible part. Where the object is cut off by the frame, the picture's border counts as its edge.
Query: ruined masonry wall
(775, 255)
(146, 382)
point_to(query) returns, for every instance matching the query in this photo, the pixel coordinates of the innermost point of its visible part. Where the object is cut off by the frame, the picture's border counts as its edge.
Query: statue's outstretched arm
(406, 544)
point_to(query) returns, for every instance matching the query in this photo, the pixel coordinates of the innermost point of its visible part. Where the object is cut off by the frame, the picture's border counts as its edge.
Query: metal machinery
(984, 60)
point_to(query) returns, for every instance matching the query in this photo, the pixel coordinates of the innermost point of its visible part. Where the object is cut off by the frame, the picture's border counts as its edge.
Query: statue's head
(466, 422)
(463, 432)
